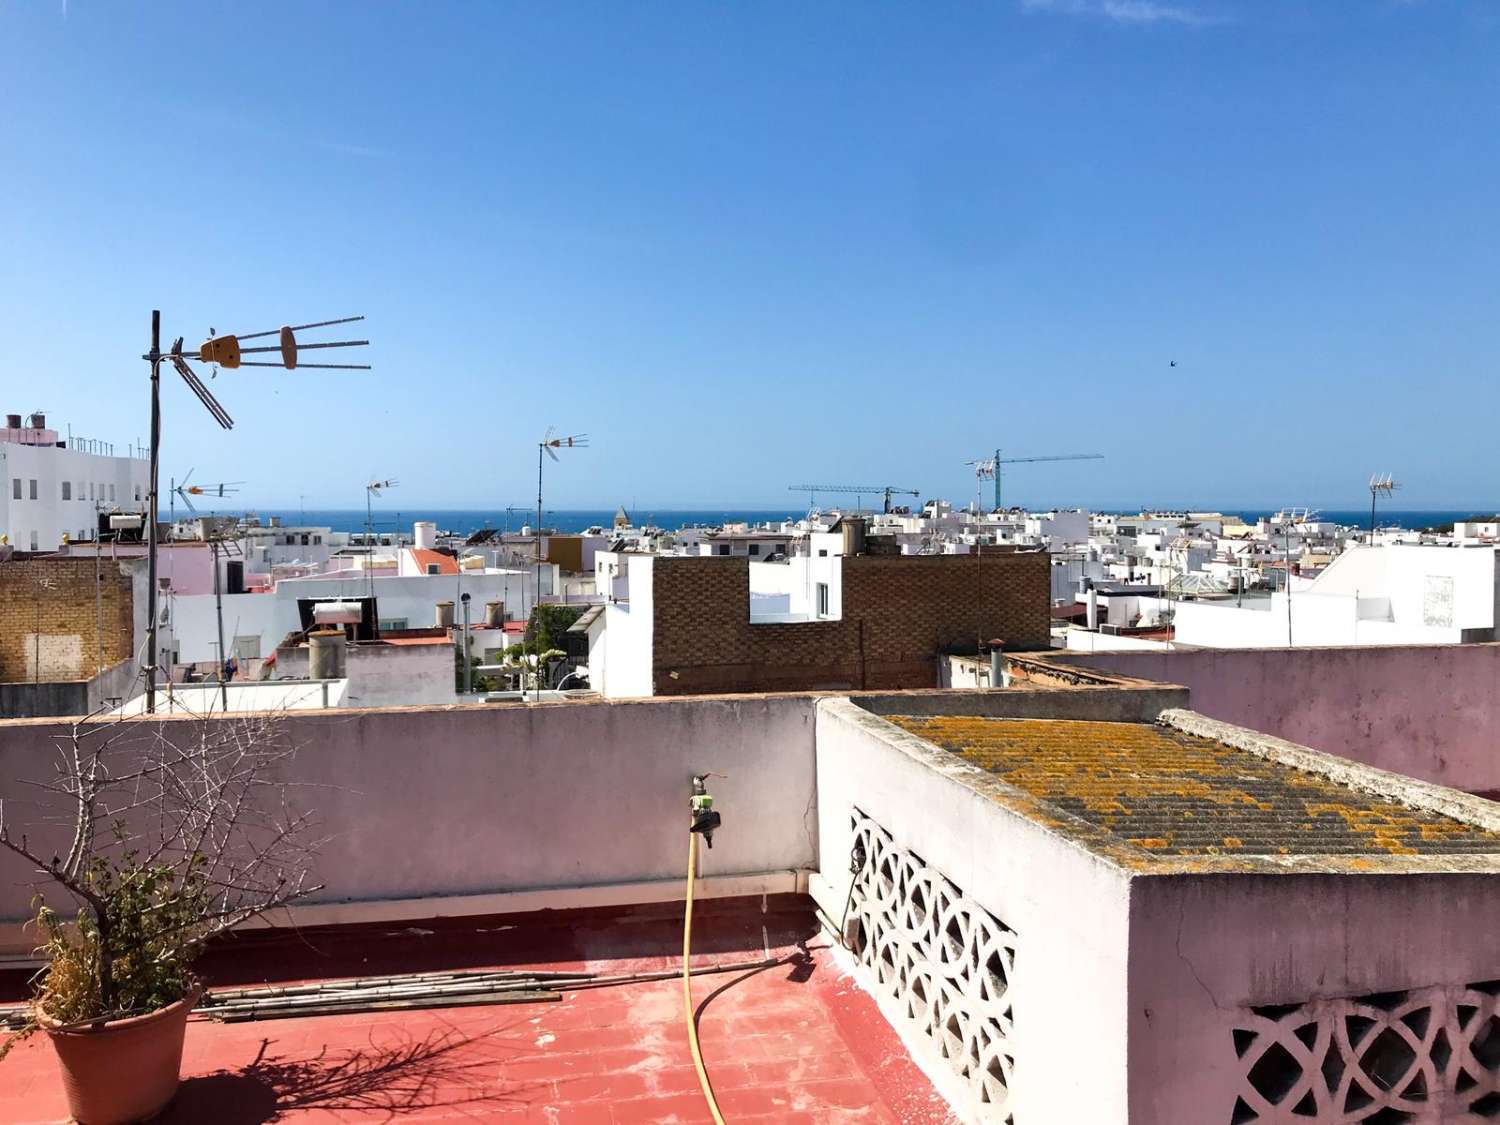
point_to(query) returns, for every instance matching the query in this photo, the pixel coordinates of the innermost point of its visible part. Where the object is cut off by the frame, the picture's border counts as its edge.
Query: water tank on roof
(338, 613)
(424, 534)
(38, 421)
(13, 421)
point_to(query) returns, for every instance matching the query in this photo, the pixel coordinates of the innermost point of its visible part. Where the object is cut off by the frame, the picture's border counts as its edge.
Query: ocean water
(464, 521)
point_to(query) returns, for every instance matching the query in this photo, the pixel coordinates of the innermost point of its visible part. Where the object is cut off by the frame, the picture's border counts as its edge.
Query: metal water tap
(706, 818)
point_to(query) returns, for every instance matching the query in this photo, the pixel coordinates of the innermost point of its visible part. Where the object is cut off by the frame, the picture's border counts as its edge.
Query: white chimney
(424, 534)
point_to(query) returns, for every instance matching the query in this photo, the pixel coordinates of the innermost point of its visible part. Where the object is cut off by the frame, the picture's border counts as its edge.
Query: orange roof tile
(426, 559)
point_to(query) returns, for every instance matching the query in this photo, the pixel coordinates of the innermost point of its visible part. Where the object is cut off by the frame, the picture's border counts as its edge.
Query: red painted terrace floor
(798, 1042)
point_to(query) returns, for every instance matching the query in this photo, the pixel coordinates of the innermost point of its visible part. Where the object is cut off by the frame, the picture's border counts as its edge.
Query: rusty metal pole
(154, 358)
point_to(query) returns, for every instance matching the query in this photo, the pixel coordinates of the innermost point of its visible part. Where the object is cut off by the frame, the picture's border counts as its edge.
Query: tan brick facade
(47, 614)
(899, 614)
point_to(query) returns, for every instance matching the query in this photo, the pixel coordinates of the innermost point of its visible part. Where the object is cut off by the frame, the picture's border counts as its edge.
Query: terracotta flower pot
(124, 1070)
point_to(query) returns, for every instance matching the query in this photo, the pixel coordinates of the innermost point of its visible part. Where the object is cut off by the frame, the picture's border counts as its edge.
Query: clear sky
(747, 245)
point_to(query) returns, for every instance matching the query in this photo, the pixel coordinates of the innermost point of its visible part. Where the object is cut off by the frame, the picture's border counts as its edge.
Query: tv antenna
(1379, 482)
(221, 351)
(548, 445)
(187, 491)
(372, 489)
(992, 468)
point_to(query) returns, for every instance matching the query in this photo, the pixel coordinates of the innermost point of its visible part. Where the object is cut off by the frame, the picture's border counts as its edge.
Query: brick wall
(899, 614)
(53, 598)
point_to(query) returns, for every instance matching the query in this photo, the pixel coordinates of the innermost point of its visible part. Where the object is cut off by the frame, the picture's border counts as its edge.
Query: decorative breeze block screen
(942, 957)
(1430, 1054)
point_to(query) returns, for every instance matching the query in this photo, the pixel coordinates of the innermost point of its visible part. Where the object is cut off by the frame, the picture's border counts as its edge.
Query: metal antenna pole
(998, 471)
(537, 593)
(219, 617)
(155, 360)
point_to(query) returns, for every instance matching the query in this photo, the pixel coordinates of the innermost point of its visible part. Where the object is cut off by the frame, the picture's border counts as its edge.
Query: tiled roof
(424, 559)
(1174, 794)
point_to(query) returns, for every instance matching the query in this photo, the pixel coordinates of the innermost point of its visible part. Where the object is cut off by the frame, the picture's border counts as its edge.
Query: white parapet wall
(1047, 966)
(1001, 883)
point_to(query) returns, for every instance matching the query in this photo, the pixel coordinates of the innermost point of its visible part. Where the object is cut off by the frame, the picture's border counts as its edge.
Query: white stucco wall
(107, 483)
(1069, 909)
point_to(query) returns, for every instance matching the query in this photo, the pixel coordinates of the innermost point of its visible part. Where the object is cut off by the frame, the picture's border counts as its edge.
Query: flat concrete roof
(1160, 791)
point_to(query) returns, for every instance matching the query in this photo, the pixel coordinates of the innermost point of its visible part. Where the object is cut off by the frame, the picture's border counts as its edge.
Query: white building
(53, 491)
(1385, 595)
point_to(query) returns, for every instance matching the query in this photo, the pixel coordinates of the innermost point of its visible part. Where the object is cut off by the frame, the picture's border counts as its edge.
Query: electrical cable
(687, 985)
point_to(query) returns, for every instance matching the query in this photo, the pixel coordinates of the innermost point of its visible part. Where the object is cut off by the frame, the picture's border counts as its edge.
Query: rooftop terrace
(795, 1043)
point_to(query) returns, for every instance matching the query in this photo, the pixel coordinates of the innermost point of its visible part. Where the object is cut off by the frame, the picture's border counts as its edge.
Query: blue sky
(749, 245)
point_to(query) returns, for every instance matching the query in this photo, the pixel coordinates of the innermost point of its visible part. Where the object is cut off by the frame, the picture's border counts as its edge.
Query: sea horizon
(463, 521)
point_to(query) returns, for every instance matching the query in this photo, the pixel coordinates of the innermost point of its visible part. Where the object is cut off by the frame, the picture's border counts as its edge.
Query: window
(317, 539)
(67, 490)
(755, 548)
(15, 489)
(304, 540)
(91, 490)
(724, 548)
(111, 493)
(393, 625)
(33, 488)
(137, 492)
(822, 599)
(33, 541)
(822, 552)
(434, 568)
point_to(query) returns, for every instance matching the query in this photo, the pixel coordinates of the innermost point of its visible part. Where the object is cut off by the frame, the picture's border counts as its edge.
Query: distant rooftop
(1169, 793)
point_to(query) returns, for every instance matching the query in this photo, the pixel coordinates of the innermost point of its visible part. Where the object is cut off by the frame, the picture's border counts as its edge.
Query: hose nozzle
(705, 818)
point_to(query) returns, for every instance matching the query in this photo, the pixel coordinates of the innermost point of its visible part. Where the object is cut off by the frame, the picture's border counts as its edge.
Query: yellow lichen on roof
(1175, 794)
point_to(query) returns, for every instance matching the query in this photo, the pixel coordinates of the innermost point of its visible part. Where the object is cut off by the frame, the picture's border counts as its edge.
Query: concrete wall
(479, 800)
(74, 697)
(1204, 950)
(1069, 911)
(1420, 710)
(382, 675)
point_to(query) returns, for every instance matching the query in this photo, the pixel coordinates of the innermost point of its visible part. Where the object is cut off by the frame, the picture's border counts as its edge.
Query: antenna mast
(1379, 482)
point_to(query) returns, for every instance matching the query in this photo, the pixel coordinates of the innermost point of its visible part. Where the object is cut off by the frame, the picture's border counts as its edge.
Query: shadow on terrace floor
(393, 1074)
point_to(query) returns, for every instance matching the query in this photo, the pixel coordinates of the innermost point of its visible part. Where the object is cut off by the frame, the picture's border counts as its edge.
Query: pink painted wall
(1428, 711)
(1203, 950)
(424, 802)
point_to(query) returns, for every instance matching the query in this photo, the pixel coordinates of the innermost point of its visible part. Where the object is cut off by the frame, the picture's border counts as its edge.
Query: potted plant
(176, 831)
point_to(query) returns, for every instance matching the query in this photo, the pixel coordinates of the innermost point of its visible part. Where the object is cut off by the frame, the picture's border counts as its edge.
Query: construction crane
(887, 490)
(990, 468)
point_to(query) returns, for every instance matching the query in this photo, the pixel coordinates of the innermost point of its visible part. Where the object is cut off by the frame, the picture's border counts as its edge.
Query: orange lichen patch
(1172, 793)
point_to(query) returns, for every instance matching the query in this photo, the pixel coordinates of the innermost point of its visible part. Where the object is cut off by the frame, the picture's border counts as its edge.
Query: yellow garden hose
(687, 984)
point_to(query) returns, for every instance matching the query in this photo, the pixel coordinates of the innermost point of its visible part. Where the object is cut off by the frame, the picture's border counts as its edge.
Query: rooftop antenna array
(549, 445)
(858, 490)
(372, 489)
(992, 468)
(221, 351)
(184, 491)
(1379, 482)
